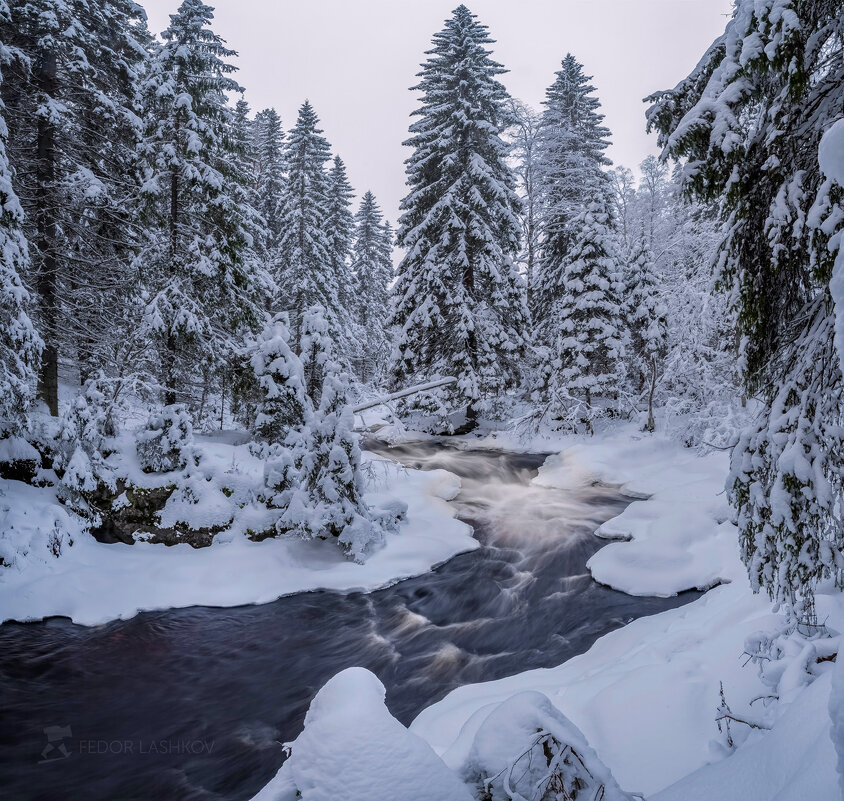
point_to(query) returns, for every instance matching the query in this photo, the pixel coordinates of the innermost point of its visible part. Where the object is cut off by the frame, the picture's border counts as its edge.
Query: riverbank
(91, 582)
(646, 695)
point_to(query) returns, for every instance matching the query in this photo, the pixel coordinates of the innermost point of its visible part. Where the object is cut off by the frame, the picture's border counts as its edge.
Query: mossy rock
(138, 519)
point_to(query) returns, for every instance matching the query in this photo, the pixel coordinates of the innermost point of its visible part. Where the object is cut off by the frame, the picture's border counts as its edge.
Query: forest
(231, 382)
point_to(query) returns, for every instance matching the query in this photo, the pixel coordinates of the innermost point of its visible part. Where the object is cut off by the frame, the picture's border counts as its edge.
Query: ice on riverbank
(92, 582)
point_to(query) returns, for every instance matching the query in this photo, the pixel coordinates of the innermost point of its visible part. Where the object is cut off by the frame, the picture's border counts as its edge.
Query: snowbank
(92, 583)
(676, 537)
(793, 762)
(353, 749)
(644, 696)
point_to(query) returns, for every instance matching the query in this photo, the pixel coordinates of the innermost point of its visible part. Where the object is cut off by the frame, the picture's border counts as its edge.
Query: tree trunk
(651, 422)
(170, 371)
(46, 238)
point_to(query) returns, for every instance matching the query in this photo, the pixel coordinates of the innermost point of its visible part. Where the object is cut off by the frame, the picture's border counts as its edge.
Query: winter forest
(530, 489)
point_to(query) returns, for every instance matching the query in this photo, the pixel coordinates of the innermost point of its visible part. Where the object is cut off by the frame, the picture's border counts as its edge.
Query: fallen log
(403, 393)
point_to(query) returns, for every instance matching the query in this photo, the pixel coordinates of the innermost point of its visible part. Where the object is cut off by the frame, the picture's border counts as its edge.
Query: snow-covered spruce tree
(68, 107)
(20, 345)
(166, 441)
(645, 315)
(197, 262)
(585, 367)
(316, 348)
(282, 403)
(268, 138)
(305, 276)
(570, 159)
(340, 227)
(87, 428)
(458, 301)
(749, 120)
(321, 481)
(372, 266)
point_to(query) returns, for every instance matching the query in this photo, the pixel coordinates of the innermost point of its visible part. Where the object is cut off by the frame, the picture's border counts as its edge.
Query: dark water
(194, 703)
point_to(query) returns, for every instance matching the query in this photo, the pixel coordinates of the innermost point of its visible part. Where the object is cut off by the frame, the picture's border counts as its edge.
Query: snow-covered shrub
(166, 443)
(792, 655)
(527, 749)
(84, 441)
(353, 749)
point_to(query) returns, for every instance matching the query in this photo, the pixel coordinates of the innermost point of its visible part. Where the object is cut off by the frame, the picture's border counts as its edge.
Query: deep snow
(645, 696)
(91, 582)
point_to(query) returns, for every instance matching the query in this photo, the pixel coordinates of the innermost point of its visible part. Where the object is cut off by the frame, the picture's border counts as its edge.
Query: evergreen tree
(646, 319)
(197, 261)
(269, 160)
(281, 378)
(585, 324)
(340, 227)
(20, 345)
(326, 498)
(372, 266)
(571, 145)
(459, 302)
(749, 122)
(306, 276)
(72, 132)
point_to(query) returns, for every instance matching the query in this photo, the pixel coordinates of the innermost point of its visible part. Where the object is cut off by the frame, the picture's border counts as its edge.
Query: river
(195, 703)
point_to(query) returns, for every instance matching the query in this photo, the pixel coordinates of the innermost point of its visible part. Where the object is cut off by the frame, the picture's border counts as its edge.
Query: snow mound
(353, 749)
(793, 762)
(836, 713)
(524, 747)
(677, 536)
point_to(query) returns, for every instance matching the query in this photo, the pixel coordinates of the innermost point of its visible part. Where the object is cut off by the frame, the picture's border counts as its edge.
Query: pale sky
(355, 60)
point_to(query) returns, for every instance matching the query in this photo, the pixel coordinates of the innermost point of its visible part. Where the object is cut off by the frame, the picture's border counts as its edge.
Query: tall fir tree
(748, 123)
(459, 301)
(372, 266)
(197, 261)
(72, 133)
(585, 368)
(305, 274)
(268, 138)
(340, 226)
(571, 145)
(20, 345)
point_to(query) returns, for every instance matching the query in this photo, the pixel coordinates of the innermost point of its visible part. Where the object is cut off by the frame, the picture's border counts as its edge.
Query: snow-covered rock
(526, 746)
(353, 749)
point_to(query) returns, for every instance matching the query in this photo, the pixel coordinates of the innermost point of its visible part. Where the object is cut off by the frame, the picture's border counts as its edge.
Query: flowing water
(195, 703)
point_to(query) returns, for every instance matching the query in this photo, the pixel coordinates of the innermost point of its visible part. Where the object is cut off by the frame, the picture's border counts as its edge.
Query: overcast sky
(355, 59)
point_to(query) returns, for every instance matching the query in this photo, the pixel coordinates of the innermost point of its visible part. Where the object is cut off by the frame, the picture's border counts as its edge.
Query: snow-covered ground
(645, 696)
(92, 583)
